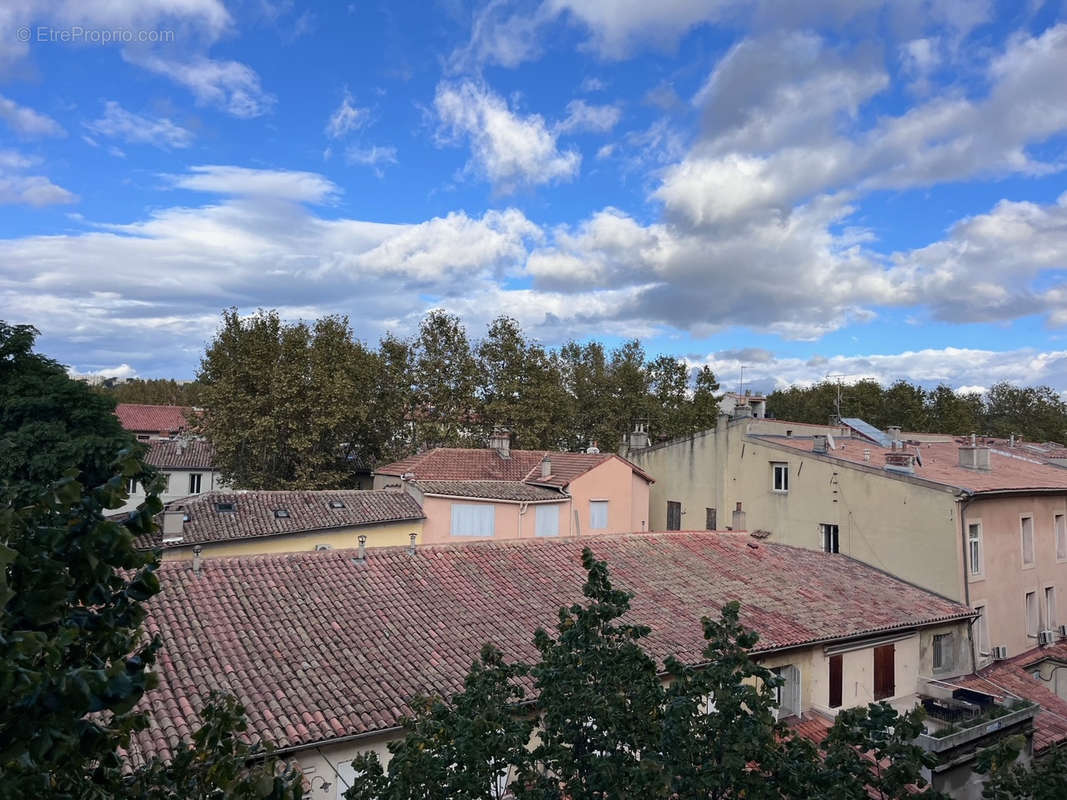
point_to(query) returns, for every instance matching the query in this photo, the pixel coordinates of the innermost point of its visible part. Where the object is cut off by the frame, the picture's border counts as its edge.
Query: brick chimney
(500, 440)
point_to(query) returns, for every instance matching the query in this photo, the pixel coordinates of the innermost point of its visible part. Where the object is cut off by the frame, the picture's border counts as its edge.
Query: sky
(841, 188)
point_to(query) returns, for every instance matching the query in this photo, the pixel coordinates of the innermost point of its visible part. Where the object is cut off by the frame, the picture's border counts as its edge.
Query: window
(942, 655)
(1050, 608)
(281, 513)
(787, 694)
(337, 504)
(836, 672)
(710, 519)
(780, 477)
(974, 548)
(1032, 620)
(226, 508)
(131, 486)
(981, 631)
(1027, 526)
(828, 537)
(885, 684)
(598, 515)
(546, 520)
(1060, 524)
(674, 515)
(473, 519)
(194, 483)
(142, 437)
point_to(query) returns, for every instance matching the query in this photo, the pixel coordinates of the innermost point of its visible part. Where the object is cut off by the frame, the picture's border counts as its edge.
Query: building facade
(187, 466)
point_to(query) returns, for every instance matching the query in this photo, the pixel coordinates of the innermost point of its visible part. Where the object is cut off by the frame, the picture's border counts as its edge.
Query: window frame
(892, 683)
(942, 647)
(1032, 611)
(196, 479)
(1049, 608)
(1032, 563)
(780, 477)
(1059, 534)
(979, 540)
(598, 504)
(541, 511)
(672, 507)
(482, 508)
(825, 531)
(980, 630)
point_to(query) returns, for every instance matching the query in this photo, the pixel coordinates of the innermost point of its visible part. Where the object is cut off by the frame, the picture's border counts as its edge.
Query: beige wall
(626, 493)
(177, 486)
(510, 520)
(1005, 580)
(386, 535)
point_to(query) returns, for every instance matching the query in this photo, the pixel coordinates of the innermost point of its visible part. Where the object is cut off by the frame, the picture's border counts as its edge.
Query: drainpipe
(963, 500)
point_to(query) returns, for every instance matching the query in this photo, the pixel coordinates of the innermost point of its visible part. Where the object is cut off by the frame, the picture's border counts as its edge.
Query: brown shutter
(835, 680)
(884, 672)
(709, 519)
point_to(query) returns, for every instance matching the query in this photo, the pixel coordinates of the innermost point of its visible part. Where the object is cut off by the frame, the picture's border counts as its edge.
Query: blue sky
(839, 187)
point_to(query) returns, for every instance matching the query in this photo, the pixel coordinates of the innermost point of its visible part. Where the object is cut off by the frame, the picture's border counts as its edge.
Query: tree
(905, 404)
(1008, 779)
(445, 381)
(153, 391)
(630, 389)
(950, 412)
(586, 377)
(705, 400)
(671, 410)
(49, 423)
(467, 747)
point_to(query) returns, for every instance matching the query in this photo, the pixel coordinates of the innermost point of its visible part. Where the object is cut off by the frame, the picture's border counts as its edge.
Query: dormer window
(281, 513)
(337, 504)
(226, 508)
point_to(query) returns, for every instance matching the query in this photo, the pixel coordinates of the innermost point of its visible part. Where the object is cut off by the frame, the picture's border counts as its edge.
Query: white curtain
(547, 521)
(471, 519)
(598, 515)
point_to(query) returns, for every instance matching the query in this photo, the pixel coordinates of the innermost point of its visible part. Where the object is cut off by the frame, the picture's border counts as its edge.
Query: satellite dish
(830, 441)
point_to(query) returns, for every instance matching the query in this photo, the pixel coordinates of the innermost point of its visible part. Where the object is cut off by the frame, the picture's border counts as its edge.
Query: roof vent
(900, 461)
(226, 508)
(337, 504)
(974, 456)
(281, 513)
(894, 433)
(819, 443)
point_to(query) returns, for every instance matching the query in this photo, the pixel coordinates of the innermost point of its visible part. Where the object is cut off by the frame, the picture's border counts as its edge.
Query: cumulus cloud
(132, 128)
(230, 86)
(347, 117)
(19, 188)
(26, 122)
(508, 149)
(581, 116)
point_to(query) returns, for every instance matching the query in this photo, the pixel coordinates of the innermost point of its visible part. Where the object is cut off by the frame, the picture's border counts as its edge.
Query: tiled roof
(490, 490)
(153, 419)
(940, 463)
(178, 454)
(318, 646)
(474, 464)
(254, 513)
(1012, 678)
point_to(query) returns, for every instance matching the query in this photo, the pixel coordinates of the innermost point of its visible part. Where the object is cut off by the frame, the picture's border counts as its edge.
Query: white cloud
(121, 371)
(304, 187)
(507, 149)
(26, 122)
(133, 128)
(17, 188)
(230, 86)
(592, 84)
(374, 157)
(581, 116)
(500, 35)
(346, 118)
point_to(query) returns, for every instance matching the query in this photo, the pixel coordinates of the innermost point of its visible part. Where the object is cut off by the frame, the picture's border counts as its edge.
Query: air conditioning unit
(1000, 652)
(1046, 637)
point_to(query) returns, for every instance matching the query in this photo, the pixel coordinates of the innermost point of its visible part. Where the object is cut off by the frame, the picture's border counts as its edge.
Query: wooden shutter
(884, 672)
(674, 515)
(835, 680)
(709, 519)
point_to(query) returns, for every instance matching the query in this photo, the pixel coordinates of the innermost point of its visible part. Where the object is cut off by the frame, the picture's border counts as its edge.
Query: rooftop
(180, 454)
(319, 645)
(229, 516)
(153, 419)
(1009, 469)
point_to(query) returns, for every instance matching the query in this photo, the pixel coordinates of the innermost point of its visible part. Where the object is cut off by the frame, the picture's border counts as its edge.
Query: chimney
(976, 457)
(639, 435)
(899, 461)
(173, 523)
(739, 518)
(818, 443)
(1012, 442)
(867, 455)
(592, 448)
(411, 543)
(742, 411)
(546, 466)
(894, 433)
(500, 440)
(197, 561)
(361, 554)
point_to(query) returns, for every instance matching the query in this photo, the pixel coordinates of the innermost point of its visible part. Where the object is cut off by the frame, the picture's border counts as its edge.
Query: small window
(836, 683)
(780, 477)
(473, 519)
(1060, 524)
(974, 548)
(1032, 620)
(885, 680)
(337, 504)
(1027, 529)
(281, 513)
(226, 508)
(142, 437)
(194, 483)
(598, 515)
(1050, 608)
(981, 631)
(710, 519)
(942, 655)
(829, 538)
(674, 515)
(546, 520)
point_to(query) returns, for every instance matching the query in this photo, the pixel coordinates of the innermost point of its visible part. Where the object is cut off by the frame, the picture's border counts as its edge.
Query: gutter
(963, 500)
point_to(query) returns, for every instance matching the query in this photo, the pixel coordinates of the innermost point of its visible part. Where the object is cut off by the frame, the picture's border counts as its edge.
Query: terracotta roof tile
(179, 454)
(350, 642)
(940, 464)
(491, 490)
(254, 515)
(153, 419)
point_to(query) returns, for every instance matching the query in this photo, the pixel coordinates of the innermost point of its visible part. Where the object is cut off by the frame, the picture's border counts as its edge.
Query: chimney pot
(197, 560)
(546, 466)
(362, 553)
(500, 440)
(411, 544)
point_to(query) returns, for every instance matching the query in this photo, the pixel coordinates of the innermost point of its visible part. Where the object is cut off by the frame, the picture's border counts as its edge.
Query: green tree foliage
(608, 726)
(445, 382)
(49, 423)
(1033, 413)
(1008, 779)
(705, 400)
(153, 391)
